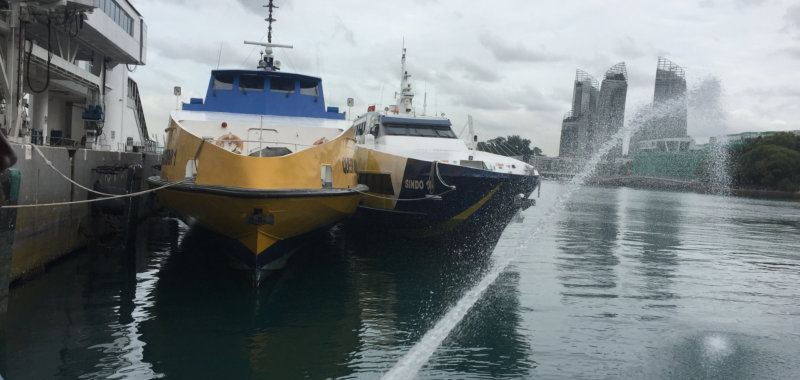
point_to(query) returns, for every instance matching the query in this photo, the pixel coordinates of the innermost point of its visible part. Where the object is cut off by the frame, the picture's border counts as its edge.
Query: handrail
(133, 89)
(270, 144)
(261, 141)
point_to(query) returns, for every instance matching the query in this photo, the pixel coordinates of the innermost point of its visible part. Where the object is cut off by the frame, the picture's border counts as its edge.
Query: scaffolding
(617, 72)
(584, 77)
(667, 66)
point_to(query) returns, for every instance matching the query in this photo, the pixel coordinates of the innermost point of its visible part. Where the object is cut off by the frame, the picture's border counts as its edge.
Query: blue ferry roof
(264, 92)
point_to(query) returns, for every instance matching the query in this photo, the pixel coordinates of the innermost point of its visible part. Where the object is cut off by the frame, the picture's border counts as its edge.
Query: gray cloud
(474, 97)
(200, 52)
(509, 53)
(768, 92)
(628, 48)
(792, 18)
(345, 31)
(793, 52)
(482, 101)
(473, 71)
(534, 100)
(545, 34)
(750, 2)
(638, 77)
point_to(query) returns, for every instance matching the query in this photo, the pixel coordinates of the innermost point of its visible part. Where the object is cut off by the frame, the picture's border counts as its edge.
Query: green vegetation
(512, 145)
(771, 162)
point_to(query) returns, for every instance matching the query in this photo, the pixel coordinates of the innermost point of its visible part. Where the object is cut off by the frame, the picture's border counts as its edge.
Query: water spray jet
(410, 364)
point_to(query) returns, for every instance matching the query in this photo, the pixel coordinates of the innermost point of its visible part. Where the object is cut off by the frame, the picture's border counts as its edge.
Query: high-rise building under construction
(666, 117)
(577, 124)
(611, 109)
(597, 113)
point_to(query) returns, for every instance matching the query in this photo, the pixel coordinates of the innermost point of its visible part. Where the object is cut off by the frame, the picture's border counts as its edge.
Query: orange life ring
(231, 143)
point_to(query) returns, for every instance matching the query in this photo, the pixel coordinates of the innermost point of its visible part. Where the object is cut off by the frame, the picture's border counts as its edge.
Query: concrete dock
(30, 238)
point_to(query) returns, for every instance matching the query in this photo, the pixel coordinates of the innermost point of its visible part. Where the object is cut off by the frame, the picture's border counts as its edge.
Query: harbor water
(621, 283)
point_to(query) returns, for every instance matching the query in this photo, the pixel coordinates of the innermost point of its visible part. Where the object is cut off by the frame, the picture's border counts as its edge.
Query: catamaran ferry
(262, 160)
(422, 177)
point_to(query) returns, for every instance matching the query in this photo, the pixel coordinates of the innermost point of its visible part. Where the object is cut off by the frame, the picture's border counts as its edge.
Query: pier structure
(74, 116)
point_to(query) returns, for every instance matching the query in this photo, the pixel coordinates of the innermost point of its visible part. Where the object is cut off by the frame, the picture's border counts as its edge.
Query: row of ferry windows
(410, 130)
(257, 83)
(419, 130)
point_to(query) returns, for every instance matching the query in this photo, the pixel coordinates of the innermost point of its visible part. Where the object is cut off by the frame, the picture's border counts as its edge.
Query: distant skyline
(510, 64)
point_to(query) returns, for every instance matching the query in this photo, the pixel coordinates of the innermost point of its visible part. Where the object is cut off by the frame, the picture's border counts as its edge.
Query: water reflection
(587, 237)
(170, 305)
(405, 286)
(718, 355)
(604, 293)
(654, 221)
(80, 319)
(303, 322)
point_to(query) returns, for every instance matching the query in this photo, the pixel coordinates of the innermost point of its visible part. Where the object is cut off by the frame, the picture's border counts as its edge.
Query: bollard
(9, 184)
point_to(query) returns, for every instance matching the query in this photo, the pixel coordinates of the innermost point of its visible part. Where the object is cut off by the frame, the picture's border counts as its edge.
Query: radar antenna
(269, 20)
(268, 61)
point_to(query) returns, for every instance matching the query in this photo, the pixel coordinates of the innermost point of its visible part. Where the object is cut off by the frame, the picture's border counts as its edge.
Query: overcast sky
(509, 64)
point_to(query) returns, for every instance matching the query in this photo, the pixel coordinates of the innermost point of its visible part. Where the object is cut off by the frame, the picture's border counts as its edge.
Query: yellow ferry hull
(264, 203)
(264, 223)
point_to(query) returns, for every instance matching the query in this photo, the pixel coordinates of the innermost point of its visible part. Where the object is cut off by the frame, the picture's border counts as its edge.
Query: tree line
(513, 145)
(767, 162)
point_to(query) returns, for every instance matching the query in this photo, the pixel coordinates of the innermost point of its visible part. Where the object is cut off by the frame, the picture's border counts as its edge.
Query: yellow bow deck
(262, 192)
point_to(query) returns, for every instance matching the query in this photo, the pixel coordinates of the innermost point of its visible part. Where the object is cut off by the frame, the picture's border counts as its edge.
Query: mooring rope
(106, 196)
(50, 164)
(136, 194)
(406, 199)
(439, 175)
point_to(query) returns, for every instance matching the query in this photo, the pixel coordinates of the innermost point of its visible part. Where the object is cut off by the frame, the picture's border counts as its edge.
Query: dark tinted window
(419, 130)
(445, 132)
(309, 88)
(251, 82)
(422, 131)
(223, 82)
(397, 130)
(281, 84)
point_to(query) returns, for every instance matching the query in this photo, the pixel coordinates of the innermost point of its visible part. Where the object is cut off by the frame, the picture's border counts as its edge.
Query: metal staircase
(133, 95)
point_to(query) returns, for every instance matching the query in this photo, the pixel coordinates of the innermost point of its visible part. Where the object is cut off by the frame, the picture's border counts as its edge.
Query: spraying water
(707, 116)
(408, 366)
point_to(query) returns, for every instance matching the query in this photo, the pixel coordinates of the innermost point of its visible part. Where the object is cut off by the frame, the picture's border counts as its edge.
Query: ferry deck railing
(248, 146)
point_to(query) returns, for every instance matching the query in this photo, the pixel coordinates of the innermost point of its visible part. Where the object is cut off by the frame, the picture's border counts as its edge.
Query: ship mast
(269, 20)
(406, 94)
(268, 61)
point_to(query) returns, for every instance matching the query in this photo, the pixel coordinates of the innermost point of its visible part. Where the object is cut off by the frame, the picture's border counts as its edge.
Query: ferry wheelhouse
(261, 161)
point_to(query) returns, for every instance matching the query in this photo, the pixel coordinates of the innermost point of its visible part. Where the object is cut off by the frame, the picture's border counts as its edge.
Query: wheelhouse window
(277, 84)
(309, 88)
(419, 130)
(223, 82)
(396, 130)
(249, 82)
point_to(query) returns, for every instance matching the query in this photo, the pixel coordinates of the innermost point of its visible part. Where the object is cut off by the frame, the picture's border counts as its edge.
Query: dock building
(74, 116)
